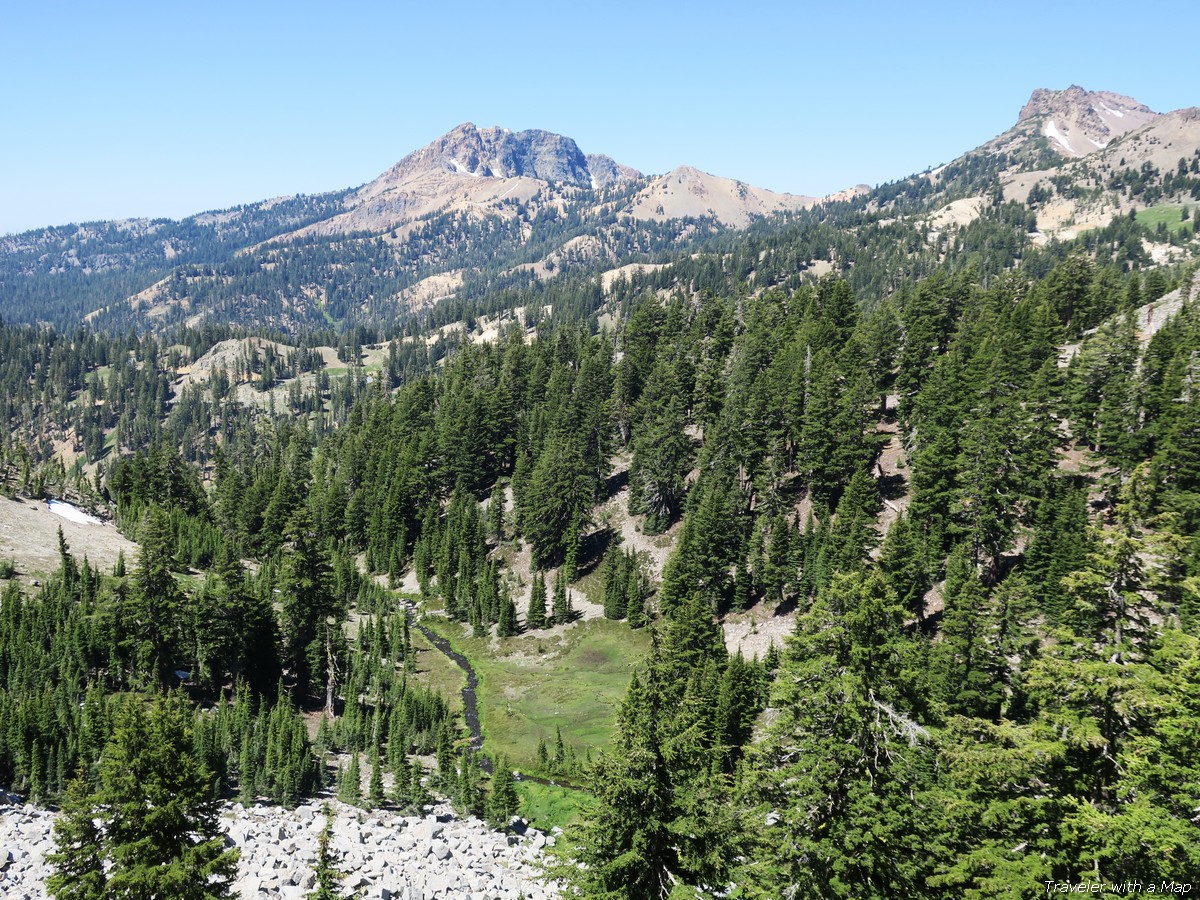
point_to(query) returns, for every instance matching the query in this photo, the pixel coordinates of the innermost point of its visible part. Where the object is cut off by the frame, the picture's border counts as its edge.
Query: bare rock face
(476, 169)
(1079, 122)
(606, 170)
(500, 153)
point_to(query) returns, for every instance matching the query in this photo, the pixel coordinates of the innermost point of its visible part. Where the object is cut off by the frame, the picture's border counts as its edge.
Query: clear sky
(123, 109)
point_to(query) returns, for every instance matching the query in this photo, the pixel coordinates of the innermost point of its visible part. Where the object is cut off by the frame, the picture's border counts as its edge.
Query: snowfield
(72, 513)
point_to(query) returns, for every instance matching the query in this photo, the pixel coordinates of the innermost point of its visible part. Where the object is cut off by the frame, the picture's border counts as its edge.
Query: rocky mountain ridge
(484, 209)
(1079, 122)
(1077, 159)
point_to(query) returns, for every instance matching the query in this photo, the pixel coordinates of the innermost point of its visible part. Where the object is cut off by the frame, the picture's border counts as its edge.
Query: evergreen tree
(846, 763)
(157, 601)
(78, 861)
(350, 782)
(375, 796)
(536, 618)
(502, 805)
(327, 874)
(563, 613)
(159, 828)
(312, 615)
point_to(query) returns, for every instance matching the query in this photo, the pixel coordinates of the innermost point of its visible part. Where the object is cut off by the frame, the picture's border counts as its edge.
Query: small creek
(471, 709)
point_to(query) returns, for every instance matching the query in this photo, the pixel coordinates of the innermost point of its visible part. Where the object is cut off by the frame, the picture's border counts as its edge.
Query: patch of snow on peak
(1113, 112)
(594, 185)
(461, 169)
(1099, 144)
(1051, 131)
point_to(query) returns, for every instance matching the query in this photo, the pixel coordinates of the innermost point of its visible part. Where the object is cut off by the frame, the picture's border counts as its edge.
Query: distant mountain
(1077, 159)
(686, 192)
(1079, 122)
(489, 216)
(473, 168)
(477, 169)
(477, 209)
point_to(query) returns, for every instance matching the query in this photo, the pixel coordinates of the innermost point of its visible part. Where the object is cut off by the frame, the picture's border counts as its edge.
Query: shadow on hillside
(891, 487)
(616, 483)
(786, 606)
(591, 551)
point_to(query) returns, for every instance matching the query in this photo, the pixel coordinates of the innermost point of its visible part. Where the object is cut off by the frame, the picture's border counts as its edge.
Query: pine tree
(507, 624)
(327, 874)
(350, 783)
(402, 777)
(845, 763)
(311, 639)
(656, 821)
(375, 796)
(160, 830)
(502, 805)
(536, 618)
(562, 602)
(78, 861)
(157, 601)
(468, 796)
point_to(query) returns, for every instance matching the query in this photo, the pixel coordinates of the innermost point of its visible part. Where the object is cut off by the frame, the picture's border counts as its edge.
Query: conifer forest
(876, 581)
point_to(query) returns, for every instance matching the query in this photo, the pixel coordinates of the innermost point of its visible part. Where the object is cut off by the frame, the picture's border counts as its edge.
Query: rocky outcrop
(386, 856)
(606, 170)
(1079, 122)
(499, 153)
(475, 169)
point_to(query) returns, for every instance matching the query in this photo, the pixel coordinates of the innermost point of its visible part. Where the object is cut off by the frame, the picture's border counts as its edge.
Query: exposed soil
(29, 537)
(756, 629)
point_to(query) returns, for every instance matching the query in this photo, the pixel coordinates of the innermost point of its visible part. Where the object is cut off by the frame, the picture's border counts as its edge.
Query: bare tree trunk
(330, 671)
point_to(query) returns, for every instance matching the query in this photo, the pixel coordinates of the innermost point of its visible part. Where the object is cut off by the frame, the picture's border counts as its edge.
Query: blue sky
(131, 109)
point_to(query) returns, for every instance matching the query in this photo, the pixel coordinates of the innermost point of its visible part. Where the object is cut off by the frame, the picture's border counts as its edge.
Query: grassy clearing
(1171, 216)
(548, 805)
(572, 678)
(438, 671)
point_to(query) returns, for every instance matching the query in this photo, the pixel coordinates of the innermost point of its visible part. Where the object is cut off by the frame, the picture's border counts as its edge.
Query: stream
(471, 709)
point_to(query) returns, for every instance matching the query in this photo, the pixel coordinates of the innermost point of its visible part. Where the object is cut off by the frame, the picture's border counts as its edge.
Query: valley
(623, 535)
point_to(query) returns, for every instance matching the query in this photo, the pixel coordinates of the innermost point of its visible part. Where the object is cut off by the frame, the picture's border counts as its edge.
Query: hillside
(486, 218)
(476, 209)
(854, 547)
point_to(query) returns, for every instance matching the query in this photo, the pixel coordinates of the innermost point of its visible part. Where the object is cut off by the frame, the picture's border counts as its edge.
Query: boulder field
(386, 856)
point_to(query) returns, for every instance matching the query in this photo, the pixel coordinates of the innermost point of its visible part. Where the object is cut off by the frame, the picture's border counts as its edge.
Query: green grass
(541, 681)
(438, 671)
(546, 805)
(1171, 216)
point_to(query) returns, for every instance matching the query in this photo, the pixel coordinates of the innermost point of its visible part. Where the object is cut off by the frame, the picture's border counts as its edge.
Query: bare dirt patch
(29, 537)
(755, 630)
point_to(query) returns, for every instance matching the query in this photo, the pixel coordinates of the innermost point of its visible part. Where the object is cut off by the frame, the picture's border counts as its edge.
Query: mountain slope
(689, 193)
(1078, 122)
(481, 211)
(475, 210)
(474, 169)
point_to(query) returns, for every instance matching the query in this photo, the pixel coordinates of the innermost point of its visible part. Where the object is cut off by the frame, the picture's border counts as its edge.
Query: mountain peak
(1078, 121)
(495, 152)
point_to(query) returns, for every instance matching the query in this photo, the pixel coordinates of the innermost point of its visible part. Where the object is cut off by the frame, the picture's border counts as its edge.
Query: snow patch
(1112, 112)
(461, 169)
(1100, 144)
(1052, 132)
(594, 185)
(72, 513)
